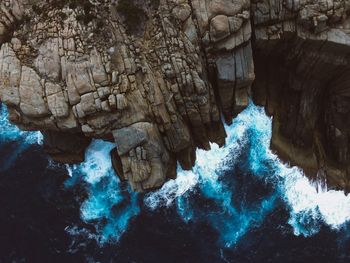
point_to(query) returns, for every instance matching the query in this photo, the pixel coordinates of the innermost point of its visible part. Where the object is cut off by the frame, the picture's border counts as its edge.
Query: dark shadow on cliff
(305, 86)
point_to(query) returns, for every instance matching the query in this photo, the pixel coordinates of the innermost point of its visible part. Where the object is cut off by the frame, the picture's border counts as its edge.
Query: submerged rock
(156, 76)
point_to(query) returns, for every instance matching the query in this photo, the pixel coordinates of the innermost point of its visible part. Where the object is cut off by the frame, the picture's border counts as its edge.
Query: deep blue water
(239, 204)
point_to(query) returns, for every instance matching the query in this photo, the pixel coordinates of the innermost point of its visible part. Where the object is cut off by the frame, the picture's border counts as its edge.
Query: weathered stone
(129, 138)
(10, 76)
(48, 62)
(235, 23)
(78, 75)
(98, 71)
(112, 101)
(69, 123)
(121, 102)
(87, 103)
(160, 91)
(56, 101)
(32, 94)
(182, 11)
(219, 28)
(103, 92)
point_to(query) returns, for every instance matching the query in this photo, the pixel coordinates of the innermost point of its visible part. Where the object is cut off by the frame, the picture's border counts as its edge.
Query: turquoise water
(10, 133)
(234, 191)
(247, 146)
(107, 200)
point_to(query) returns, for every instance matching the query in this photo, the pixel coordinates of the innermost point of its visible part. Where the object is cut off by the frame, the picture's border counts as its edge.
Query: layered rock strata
(302, 65)
(156, 76)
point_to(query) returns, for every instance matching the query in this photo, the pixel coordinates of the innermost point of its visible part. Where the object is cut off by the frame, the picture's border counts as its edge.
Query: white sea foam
(184, 182)
(312, 205)
(97, 161)
(9, 132)
(309, 204)
(104, 194)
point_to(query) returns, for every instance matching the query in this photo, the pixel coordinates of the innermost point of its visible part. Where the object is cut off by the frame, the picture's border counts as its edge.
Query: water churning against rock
(247, 151)
(9, 132)
(21, 139)
(233, 189)
(109, 206)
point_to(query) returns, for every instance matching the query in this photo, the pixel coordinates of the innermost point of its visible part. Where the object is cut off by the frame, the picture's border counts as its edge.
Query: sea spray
(11, 133)
(107, 201)
(209, 193)
(247, 151)
(109, 205)
(15, 140)
(214, 187)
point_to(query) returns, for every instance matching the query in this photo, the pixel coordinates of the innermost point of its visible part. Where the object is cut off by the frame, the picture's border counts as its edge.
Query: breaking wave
(214, 193)
(16, 140)
(10, 132)
(109, 205)
(233, 188)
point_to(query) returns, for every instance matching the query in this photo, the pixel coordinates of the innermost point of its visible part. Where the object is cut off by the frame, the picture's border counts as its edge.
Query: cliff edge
(157, 76)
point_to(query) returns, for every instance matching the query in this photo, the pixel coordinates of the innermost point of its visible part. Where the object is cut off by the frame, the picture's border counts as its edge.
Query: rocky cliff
(157, 76)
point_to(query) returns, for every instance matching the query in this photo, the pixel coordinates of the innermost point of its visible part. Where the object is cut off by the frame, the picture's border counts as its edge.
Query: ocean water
(240, 203)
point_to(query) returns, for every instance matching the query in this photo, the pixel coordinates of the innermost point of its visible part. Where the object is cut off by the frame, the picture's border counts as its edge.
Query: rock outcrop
(302, 79)
(156, 76)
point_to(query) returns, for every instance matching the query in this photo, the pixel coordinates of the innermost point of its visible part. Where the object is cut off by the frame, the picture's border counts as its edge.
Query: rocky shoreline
(160, 77)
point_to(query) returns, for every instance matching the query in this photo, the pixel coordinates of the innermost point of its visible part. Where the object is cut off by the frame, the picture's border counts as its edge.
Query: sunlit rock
(97, 67)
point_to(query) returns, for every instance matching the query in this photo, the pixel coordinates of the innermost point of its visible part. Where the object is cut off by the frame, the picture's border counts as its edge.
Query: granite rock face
(302, 78)
(156, 76)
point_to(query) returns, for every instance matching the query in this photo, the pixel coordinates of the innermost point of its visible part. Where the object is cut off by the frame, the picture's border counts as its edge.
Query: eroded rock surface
(156, 76)
(302, 79)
